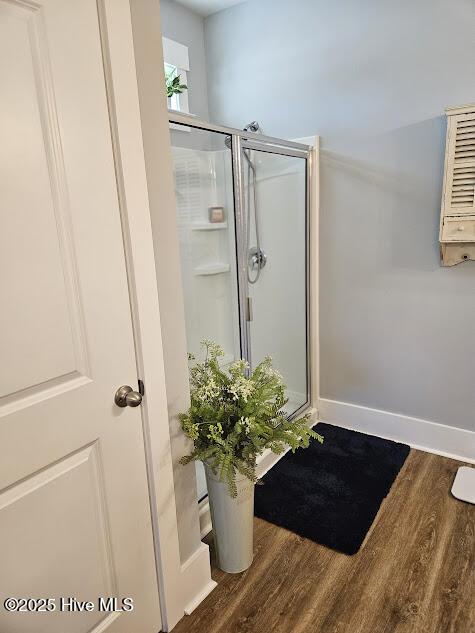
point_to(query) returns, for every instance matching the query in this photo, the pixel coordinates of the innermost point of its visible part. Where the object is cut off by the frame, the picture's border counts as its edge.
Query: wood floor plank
(415, 572)
(376, 567)
(420, 537)
(453, 604)
(434, 522)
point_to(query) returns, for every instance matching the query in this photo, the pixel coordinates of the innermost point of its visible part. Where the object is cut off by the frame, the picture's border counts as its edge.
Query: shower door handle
(249, 315)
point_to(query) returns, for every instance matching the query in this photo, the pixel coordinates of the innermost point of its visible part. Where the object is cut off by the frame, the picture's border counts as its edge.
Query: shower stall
(243, 210)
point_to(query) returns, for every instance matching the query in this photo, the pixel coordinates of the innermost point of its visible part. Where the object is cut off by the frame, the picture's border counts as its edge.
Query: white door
(74, 509)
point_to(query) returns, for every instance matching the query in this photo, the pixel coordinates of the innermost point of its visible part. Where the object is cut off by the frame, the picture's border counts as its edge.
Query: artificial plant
(235, 415)
(174, 85)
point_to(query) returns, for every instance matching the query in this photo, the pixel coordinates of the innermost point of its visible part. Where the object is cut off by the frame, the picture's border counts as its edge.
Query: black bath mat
(331, 493)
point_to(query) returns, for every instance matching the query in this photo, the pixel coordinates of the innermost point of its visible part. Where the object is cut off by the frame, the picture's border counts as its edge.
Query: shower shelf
(209, 226)
(212, 269)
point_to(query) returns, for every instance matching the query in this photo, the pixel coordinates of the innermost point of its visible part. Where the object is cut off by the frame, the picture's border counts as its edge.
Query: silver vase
(233, 522)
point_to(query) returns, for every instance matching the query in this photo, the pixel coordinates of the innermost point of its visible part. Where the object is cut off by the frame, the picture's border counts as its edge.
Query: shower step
(212, 269)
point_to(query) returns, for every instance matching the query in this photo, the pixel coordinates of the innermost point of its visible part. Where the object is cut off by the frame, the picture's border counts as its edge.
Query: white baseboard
(196, 578)
(419, 434)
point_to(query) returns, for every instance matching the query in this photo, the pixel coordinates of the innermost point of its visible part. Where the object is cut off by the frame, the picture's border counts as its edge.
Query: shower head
(252, 127)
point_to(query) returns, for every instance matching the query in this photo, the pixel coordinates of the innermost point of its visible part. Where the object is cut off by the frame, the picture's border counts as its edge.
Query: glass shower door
(275, 220)
(203, 179)
(242, 214)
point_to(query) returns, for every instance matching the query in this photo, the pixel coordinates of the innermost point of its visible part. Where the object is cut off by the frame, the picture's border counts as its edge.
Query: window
(170, 73)
(177, 63)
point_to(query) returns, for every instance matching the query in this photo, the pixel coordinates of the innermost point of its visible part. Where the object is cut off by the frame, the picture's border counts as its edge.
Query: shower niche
(245, 278)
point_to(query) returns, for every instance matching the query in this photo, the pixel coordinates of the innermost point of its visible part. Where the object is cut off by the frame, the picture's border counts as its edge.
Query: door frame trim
(123, 102)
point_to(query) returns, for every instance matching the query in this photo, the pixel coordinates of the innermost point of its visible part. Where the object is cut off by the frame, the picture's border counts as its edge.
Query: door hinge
(249, 315)
(141, 387)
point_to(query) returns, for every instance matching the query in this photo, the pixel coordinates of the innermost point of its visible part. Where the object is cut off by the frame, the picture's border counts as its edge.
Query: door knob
(125, 396)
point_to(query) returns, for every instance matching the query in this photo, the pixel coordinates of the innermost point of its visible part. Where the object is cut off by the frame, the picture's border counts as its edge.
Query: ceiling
(207, 7)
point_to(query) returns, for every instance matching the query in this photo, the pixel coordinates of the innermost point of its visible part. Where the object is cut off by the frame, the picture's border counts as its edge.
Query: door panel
(203, 186)
(35, 201)
(278, 291)
(74, 508)
(203, 180)
(64, 499)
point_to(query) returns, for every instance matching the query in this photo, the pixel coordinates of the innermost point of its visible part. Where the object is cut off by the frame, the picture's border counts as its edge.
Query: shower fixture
(256, 257)
(252, 127)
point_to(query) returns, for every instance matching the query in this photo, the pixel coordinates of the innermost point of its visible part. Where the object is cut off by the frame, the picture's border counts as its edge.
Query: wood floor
(415, 573)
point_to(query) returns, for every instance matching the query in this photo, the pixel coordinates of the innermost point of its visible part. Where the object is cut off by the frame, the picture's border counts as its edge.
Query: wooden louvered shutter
(460, 187)
(458, 202)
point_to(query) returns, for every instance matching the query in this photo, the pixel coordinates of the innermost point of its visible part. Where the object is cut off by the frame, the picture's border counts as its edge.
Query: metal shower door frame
(241, 140)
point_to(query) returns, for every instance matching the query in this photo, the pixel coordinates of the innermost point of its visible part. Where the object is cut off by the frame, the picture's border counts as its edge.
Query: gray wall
(372, 78)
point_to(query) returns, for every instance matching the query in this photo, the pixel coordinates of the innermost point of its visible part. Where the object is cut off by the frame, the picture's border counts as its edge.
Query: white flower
(246, 422)
(213, 348)
(238, 367)
(208, 391)
(270, 372)
(241, 388)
